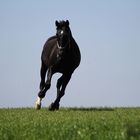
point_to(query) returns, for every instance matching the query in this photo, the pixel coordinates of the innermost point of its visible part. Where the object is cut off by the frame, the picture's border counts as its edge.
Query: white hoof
(38, 103)
(37, 106)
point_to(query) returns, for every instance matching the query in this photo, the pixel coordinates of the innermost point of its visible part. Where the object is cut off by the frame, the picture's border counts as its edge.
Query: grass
(70, 124)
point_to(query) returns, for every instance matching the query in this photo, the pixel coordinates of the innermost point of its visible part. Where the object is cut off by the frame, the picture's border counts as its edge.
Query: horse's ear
(67, 23)
(56, 23)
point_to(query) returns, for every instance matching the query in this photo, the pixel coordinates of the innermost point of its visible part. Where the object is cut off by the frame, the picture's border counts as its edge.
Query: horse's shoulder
(52, 38)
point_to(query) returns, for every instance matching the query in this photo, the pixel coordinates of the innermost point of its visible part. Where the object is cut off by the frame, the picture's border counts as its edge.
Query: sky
(108, 35)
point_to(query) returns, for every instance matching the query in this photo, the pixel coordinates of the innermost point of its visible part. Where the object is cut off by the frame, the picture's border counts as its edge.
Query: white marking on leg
(38, 103)
(38, 100)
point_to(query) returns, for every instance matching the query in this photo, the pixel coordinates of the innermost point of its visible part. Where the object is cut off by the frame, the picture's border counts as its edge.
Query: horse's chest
(64, 63)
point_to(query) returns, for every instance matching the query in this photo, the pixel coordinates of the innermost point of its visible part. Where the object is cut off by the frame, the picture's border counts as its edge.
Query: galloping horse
(60, 54)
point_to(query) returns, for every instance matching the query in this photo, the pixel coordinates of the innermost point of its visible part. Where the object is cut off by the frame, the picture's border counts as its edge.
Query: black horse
(60, 54)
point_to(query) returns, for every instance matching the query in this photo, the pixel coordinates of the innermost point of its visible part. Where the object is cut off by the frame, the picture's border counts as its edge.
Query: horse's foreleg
(46, 85)
(61, 86)
(43, 87)
(43, 71)
(48, 81)
(43, 90)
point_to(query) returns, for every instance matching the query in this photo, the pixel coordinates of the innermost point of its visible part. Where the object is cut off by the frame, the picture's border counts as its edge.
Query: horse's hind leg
(43, 71)
(61, 86)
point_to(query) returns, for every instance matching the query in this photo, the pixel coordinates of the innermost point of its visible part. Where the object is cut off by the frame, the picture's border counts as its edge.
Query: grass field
(70, 124)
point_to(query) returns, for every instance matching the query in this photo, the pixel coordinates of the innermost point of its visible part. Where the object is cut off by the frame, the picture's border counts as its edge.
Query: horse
(60, 54)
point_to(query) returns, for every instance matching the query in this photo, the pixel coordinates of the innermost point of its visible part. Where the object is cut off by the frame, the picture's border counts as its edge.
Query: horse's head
(63, 33)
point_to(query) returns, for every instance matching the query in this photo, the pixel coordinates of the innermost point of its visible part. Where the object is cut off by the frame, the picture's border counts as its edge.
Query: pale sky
(108, 35)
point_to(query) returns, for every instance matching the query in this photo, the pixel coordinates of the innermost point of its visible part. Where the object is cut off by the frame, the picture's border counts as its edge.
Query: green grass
(70, 124)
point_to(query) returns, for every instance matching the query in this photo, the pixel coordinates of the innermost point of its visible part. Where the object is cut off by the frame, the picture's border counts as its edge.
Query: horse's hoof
(37, 106)
(53, 107)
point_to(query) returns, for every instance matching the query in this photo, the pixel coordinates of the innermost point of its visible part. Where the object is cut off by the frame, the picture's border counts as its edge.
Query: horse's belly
(65, 67)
